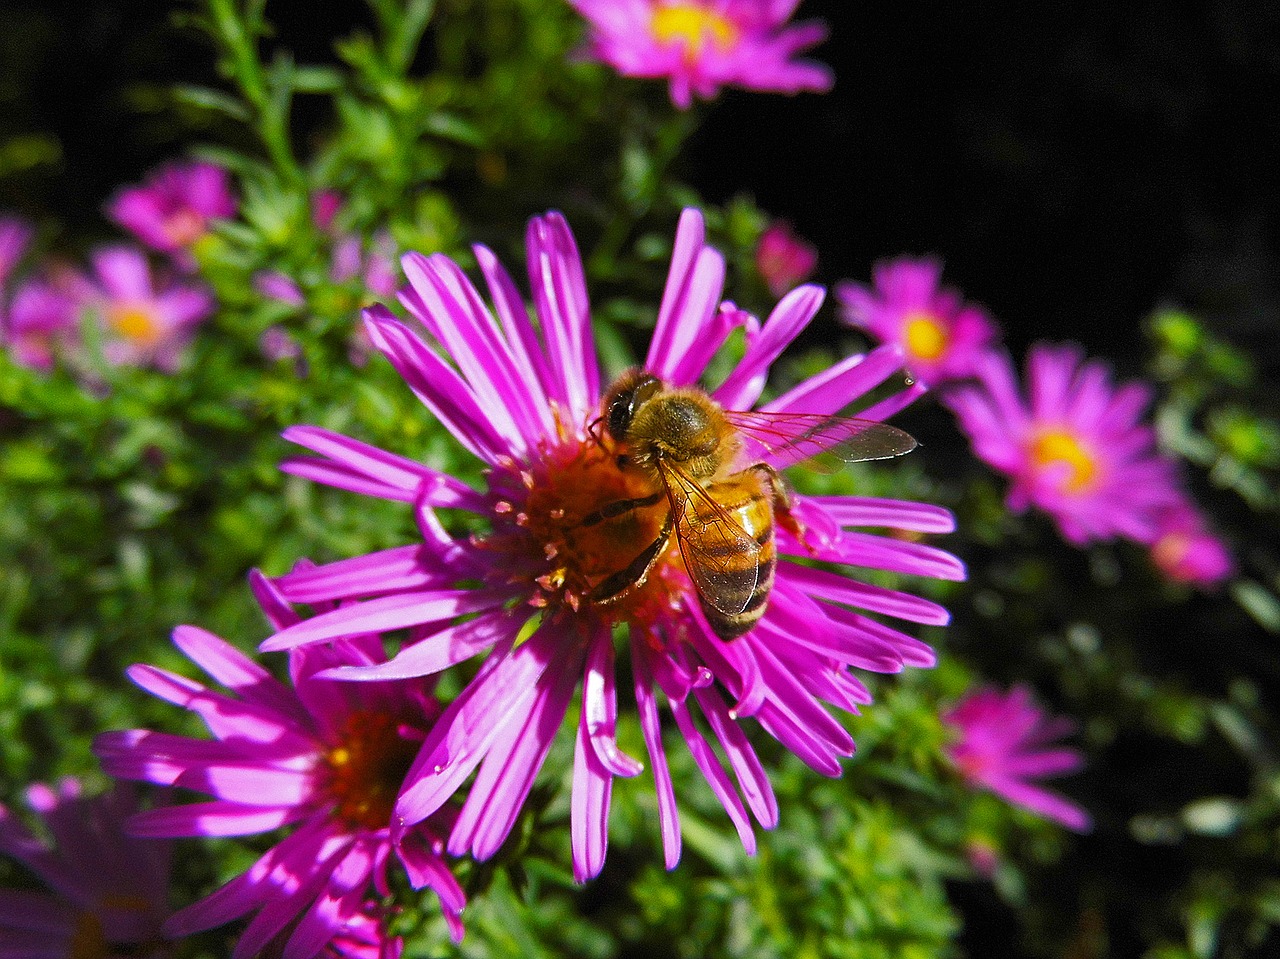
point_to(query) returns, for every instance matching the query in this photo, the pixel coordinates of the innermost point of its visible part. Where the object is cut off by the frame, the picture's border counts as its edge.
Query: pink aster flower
(560, 563)
(323, 758)
(42, 320)
(941, 336)
(172, 210)
(1003, 743)
(1076, 447)
(702, 45)
(783, 258)
(1186, 551)
(108, 891)
(144, 322)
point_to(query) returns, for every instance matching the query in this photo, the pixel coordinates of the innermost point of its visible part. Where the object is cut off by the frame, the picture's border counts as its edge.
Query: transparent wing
(722, 558)
(784, 439)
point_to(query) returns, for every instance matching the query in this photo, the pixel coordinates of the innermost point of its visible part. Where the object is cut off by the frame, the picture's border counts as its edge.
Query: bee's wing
(722, 558)
(785, 439)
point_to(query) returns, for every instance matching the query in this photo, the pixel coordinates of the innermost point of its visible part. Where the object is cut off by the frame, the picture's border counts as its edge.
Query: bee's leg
(619, 507)
(781, 500)
(633, 575)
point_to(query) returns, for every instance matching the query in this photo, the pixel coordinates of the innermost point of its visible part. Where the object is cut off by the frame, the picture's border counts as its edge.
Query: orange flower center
(1170, 552)
(572, 526)
(184, 227)
(693, 25)
(135, 321)
(1056, 449)
(367, 768)
(925, 336)
(88, 941)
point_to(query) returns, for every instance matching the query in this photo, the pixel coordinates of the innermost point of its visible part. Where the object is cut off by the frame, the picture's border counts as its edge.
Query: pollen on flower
(367, 768)
(693, 24)
(1055, 448)
(135, 322)
(924, 336)
(568, 541)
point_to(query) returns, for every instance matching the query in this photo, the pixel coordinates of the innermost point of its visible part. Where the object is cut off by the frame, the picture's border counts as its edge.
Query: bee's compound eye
(623, 461)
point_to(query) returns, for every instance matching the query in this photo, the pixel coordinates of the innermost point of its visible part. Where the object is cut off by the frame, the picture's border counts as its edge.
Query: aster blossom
(703, 45)
(174, 208)
(941, 336)
(1186, 550)
(1075, 447)
(323, 758)
(1004, 742)
(41, 319)
(108, 891)
(525, 399)
(784, 259)
(146, 320)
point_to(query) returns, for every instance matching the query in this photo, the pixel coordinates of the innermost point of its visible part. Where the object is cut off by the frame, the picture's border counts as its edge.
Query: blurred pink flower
(941, 336)
(144, 323)
(324, 758)
(108, 891)
(1003, 743)
(784, 259)
(1076, 447)
(702, 45)
(520, 392)
(172, 210)
(42, 320)
(1186, 550)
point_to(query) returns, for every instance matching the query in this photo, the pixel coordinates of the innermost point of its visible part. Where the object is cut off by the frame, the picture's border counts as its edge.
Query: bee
(708, 463)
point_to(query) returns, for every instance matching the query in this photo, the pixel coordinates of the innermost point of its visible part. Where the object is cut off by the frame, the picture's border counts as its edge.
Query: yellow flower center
(924, 336)
(692, 25)
(367, 768)
(135, 321)
(1053, 449)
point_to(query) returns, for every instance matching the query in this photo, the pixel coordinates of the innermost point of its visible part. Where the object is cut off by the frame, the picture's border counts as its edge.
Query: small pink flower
(1076, 447)
(702, 45)
(784, 259)
(1002, 745)
(940, 335)
(324, 759)
(41, 320)
(144, 323)
(172, 210)
(1186, 551)
(108, 891)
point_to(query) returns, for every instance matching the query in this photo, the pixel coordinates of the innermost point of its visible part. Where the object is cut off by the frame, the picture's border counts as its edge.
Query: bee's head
(631, 391)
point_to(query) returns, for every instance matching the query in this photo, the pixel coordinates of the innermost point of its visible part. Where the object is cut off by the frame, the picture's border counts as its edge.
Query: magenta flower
(42, 319)
(702, 45)
(525, 398)
(941, 336)
(1076, 447)
(172, 210)
(108, 891)
(1003, 742)
(1186, 551)
(324, 758)
(784, 259)
(143, 322)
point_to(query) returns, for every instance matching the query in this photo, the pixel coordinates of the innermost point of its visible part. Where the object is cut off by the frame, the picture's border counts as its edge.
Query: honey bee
(723, 513)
